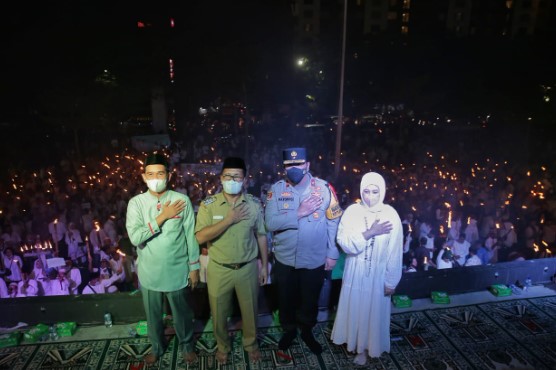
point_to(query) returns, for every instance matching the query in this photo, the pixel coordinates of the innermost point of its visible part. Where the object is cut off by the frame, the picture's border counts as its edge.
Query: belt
(281, 231)
(233, 266)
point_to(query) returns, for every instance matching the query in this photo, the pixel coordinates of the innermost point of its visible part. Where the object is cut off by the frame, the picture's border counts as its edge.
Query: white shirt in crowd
(3, 289)
(28, 288)
(100, 286)
(442, 264)
(474, 260)
(57, 230)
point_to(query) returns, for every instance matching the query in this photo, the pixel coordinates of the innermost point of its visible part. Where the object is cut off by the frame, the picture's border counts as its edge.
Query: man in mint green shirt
(160, 222)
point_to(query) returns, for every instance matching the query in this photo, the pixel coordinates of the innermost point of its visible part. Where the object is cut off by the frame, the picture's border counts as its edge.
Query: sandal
(255, 355)
(190, 357)
(150, 359)
(221, 357)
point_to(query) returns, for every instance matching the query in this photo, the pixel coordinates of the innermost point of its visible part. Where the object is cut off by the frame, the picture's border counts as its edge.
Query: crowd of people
(491, 193)
(66, 228)
(514, 201)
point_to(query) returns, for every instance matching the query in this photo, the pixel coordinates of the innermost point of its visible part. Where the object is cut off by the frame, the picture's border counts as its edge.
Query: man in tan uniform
(232, 225)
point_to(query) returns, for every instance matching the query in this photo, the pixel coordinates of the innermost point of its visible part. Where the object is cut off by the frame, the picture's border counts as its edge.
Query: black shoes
(307, 336)
(287, 339)
(311, 342)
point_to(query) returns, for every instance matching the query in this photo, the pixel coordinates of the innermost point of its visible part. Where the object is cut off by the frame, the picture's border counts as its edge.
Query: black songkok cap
(94, 274)
(234, 162)
(156, 158)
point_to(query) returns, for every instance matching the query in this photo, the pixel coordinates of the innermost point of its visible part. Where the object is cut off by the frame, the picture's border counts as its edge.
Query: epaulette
(209, 200)
(321, 180)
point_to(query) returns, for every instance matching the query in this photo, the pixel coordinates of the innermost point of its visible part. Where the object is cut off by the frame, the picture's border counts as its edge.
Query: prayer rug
(514, 334)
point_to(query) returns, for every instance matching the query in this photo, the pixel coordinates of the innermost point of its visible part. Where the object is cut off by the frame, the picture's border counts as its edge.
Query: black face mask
(295, 175)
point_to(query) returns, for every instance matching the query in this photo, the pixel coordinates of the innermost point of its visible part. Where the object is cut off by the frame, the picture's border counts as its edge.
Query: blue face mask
(232, 187)
(295, 175)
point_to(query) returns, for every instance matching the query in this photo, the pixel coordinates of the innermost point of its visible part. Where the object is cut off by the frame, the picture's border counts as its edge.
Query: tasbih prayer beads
(369, 250)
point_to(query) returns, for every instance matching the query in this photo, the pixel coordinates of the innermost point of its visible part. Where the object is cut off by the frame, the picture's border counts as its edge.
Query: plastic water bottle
(527, 283)
(108, 320)
(53, 333)
(515, 290)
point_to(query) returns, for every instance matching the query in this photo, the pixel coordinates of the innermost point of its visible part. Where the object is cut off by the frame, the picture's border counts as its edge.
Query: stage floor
(475, 331)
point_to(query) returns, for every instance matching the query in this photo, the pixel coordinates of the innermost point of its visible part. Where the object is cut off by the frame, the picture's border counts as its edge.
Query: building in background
(439, 18)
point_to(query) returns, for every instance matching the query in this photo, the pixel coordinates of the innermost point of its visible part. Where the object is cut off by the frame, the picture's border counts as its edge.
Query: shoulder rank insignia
(334, 210)
(209, 200)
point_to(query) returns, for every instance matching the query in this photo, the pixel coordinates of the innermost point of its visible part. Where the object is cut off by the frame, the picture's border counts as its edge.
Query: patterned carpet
(516, 334)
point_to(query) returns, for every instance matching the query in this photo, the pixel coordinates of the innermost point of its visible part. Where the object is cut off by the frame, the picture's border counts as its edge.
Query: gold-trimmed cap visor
(294, 156)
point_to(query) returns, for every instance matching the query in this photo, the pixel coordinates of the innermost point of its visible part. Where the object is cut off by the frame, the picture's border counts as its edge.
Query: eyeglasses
(236, 178)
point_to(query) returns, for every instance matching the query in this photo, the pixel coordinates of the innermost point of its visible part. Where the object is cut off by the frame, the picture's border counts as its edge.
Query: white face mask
(157, 185)
(232, 187)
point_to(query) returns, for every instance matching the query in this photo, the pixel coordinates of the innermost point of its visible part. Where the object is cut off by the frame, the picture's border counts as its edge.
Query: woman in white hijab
(40, 276)
(38, 270)
(371, 234)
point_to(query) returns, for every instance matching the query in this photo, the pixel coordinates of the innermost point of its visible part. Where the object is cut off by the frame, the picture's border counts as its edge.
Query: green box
(500, 290)
(440, 297)
(66, 329)
(10, 340)
(401, 301)
(34, 334)
(141, 328)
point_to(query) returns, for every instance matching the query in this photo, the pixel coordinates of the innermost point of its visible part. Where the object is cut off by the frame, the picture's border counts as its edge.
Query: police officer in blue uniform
(303, 214)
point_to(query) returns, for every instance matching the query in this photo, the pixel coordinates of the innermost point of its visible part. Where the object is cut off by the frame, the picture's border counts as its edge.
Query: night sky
(220, 47)
(45, 45)
(54, 53)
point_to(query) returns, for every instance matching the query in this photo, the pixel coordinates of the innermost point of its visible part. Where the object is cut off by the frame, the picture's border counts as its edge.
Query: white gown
(14, 264)
(363, 315)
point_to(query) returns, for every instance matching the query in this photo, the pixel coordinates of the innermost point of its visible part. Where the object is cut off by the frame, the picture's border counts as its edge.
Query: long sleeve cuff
(153, 226)
(333, 252)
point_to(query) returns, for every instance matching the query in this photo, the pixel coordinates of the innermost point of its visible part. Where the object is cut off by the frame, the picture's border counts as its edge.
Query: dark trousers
(63, 249)
(298, 295)
(182, 315)
(96, 260)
